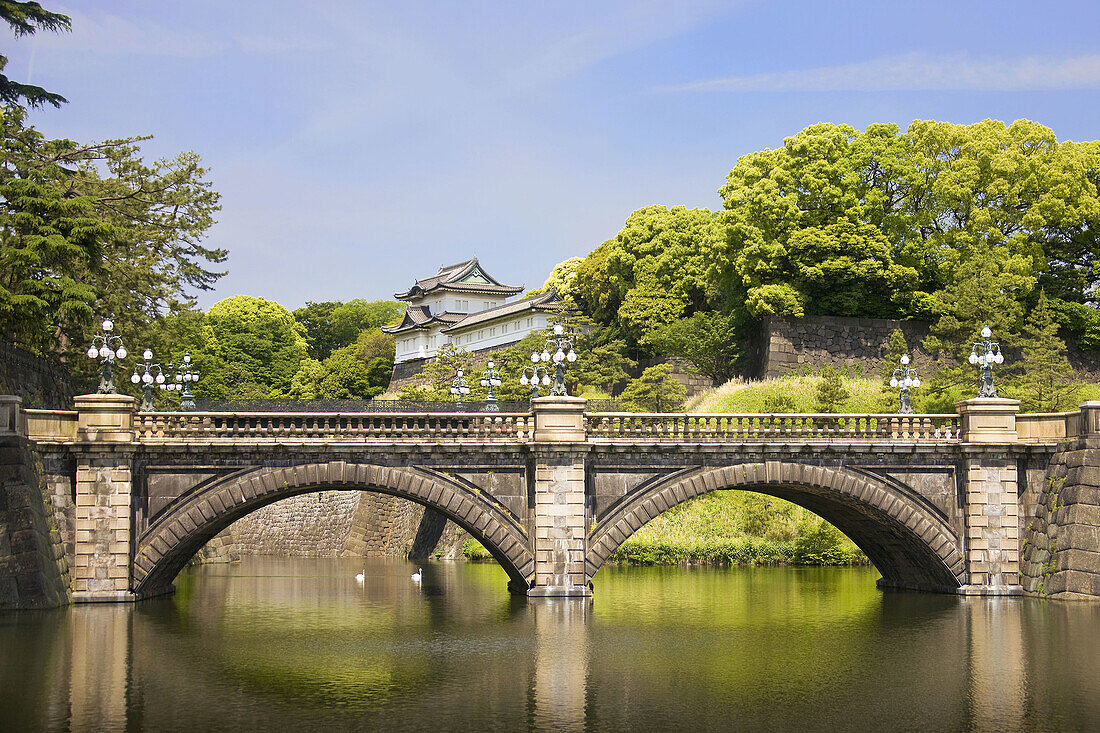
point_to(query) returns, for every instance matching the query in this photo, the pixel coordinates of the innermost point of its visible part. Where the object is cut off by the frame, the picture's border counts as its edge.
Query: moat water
(293, 644)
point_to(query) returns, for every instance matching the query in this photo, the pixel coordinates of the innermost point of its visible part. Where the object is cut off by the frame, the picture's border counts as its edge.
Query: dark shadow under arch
(909, 542)
(166, 546)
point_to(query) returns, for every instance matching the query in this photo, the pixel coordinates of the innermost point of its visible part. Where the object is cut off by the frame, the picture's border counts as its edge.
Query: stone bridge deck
(935, 501)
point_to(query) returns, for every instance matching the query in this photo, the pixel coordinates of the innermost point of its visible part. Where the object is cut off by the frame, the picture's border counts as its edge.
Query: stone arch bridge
(936, 501)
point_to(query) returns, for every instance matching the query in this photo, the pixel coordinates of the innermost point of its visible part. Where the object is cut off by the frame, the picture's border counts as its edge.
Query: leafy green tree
(562, 279)
(707, 340)
(1045, 382)
(27, 18)
(439, 374)
(347, 377)
(987, 289)
(656, 390)
(94, 229)
(831, 392)
(242, 334)
(374, 344)
(654, 271)
(332, 325)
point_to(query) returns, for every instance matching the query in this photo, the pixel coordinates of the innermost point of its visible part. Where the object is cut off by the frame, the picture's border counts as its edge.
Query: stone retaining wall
(785, 345)
(40, 383)
(33, 569)
(339, 523)
(1058, 555)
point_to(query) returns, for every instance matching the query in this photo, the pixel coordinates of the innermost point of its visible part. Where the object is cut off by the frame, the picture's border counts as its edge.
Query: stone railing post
(560, 507)
(992, 507)
(104, 489)
(1090, 424)
(12, 420)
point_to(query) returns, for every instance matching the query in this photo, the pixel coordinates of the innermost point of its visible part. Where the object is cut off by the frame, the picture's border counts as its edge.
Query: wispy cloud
(104, 33)
(920, 72)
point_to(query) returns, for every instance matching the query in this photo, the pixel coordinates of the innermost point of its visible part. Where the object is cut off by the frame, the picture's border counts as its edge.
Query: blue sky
(358, 145)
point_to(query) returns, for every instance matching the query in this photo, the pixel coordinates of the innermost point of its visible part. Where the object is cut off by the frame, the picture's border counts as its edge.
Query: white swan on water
(360, 577)
(418, 575)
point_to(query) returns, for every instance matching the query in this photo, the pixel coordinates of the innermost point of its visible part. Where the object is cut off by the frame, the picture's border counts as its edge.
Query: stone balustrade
(770, 427)
(62, 425)
(266, 426)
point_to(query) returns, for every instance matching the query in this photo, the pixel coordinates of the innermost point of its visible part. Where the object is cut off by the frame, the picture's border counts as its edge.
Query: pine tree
(831, 392)
(1045, 377)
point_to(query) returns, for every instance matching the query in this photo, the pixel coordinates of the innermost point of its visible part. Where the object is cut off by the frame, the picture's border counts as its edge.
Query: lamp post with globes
(538, 374)
(490, 379)
(107, 347)
(185, 377)
(905, 378)
(147, 375)
(459, 388)
(984, 355)
(563, 352)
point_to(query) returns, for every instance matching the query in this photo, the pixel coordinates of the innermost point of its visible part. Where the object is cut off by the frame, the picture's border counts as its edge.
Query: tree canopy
(27, 18)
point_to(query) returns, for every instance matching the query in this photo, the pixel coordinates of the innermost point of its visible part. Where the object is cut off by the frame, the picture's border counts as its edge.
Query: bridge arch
(909, 541)
(176, 535)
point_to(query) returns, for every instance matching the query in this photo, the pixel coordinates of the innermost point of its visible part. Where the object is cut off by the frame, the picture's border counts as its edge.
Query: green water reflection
(293, 644)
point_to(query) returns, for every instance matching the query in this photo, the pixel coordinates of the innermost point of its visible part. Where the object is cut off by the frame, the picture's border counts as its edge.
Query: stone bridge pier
(944, 503)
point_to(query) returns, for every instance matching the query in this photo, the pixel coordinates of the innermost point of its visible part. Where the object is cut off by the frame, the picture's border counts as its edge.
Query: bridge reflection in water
(298, 644)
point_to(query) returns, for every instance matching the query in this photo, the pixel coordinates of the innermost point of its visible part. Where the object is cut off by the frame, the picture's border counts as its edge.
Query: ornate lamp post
(905, 378)
(563, 352)
(490, 379)
(146, 375)
(185, 377)
(459, 388)
(985, 354)
(107, 348)
(538, 374)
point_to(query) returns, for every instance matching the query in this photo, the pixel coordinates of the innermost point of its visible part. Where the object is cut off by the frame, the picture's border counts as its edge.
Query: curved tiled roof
(450, 278)
(418, 316)
(542, 301)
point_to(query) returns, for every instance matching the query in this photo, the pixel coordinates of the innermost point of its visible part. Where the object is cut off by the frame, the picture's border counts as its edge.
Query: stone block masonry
(1060, 548)
(339, 524)
(33, 569)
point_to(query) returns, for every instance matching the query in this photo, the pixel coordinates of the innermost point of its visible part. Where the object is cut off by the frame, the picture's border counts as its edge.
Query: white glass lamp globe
(108, 325)
(523, 380)
(534, 356)
(986, 333)
(894, 382)
(135, 378)
(571, 356)
(558, 329)
(93, 352)
(545, 356)
(1000, 358)
(147, 355)
(905, 359)
(160, 379)
(147, 378)
(559, 356)
(121, 353)
(105, 352)
(491, 365)
(973, 358)
(546, 380)
(907, 382)
(916, 381)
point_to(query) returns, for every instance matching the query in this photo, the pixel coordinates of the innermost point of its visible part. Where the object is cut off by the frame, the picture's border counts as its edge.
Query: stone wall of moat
(1058, 554)
(339, 524)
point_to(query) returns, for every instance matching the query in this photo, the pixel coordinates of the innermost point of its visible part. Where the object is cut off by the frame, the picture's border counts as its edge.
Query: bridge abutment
(104, 492)
(559, 504)
(991, 499)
